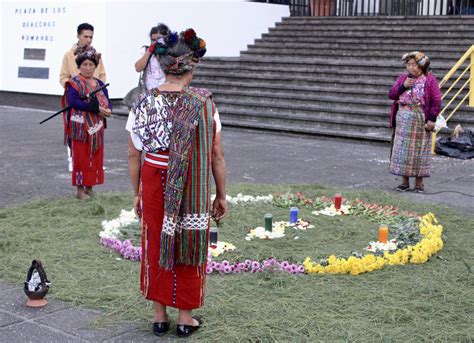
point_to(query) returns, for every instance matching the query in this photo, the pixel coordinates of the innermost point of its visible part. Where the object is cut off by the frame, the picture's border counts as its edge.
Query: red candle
(337, 201)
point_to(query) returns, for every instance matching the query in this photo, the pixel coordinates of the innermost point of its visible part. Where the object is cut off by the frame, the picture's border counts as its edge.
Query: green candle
(268, 222)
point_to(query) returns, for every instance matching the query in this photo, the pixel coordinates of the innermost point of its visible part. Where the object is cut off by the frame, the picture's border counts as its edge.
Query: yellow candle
(383, 233)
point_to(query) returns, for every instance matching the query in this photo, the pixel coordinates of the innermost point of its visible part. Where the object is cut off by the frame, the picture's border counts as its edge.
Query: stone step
(374, 24)
(312, 130)
(292, 123)
(303, 79)
(317, 101)
(376, 72)
(328, 79)
(360, 99)
(289, 99)
(340, 90)
(355, 110)
(448, 57)
(333, 46)
(322, 69)
(310, 111)
(330, 76)
(400, 35)
(321, 119)
(290, 63)
(466, 43)
(379, 20)
(374, 28)
(311, 66)
(316, 73)
(290, 88)
(286, 64)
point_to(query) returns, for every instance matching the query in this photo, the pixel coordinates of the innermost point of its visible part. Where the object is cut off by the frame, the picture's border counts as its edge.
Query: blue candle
(293, 215)
(213, 235)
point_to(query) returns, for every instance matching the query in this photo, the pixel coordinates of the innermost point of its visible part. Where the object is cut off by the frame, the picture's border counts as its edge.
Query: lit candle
(213, 235)
(268, 222)
(293, 215)
(337, 201)
(383, 233)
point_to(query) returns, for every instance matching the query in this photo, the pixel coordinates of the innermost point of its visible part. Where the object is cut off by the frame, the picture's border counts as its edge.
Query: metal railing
(391, 7)
(325, 8)
(469, 83)
(298, 8)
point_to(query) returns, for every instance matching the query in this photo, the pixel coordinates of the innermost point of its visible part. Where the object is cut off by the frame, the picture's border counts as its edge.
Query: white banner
(35, 35)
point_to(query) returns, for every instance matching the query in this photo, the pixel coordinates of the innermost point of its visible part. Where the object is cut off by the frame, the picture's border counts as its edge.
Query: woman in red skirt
(84, 123)
(177, 130)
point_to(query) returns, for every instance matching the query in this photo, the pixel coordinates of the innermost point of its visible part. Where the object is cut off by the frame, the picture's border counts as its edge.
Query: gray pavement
(33, 164)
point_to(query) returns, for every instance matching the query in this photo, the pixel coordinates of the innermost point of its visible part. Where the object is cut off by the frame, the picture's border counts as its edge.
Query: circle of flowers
(430, 243)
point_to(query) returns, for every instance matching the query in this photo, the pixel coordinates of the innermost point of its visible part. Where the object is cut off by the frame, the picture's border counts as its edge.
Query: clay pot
(36, 296)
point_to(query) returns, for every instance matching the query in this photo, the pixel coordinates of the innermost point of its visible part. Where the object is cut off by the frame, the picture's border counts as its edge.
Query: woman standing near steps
(417, 102)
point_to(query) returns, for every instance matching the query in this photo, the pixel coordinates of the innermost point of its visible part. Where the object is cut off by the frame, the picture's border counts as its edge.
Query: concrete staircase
(329, 76)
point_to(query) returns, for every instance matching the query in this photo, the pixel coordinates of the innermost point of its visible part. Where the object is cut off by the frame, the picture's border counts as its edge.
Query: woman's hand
(219, 209)
(137, 206)
(430, 125)
(409, 82)
(105, 111)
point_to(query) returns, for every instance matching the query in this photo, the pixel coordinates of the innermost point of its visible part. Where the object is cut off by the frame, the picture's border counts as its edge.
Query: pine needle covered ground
(428, 302)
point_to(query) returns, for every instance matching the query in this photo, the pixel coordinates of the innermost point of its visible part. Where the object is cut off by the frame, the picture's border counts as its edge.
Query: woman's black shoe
(419, 189)
(160, 328)
(402, 188)
(188, 330)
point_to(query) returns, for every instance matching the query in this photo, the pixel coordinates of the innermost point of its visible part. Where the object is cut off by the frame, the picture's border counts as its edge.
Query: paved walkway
(33, 164)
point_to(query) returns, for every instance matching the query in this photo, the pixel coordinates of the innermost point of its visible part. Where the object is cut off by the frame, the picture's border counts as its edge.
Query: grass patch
(429, 302)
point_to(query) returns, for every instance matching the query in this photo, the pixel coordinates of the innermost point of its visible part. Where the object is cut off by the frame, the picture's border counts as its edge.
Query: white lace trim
(193, 221)
(77, 118)
(168, 226)
(95, 128)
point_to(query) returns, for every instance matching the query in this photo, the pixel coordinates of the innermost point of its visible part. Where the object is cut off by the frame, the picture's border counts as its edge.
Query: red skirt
(183, 286)
(87, 170)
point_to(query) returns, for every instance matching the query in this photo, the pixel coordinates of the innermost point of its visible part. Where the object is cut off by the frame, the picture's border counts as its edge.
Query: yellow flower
(430, 244)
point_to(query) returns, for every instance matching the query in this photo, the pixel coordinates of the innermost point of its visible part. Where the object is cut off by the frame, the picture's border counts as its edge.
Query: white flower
(301, 225)
(331, 211)
(239, 198)
(278, 231)
(379, 246)
(220, 248)
(111, 228)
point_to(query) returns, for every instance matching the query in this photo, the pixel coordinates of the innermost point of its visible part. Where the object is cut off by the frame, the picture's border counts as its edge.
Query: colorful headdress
(186, 61)
(420, 58)
(197, 45)
(165, 42)
(86, 52)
